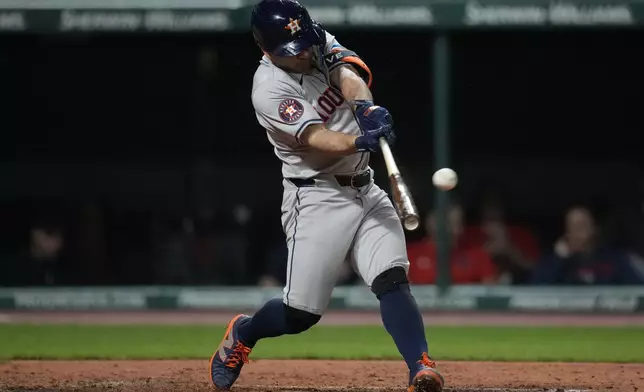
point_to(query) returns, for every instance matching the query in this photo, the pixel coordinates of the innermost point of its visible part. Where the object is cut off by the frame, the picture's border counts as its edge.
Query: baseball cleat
(226, 363)
(427, 378)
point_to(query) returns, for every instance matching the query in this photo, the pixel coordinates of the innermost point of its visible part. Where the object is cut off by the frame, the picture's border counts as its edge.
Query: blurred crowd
(90, 245)
(493, 251)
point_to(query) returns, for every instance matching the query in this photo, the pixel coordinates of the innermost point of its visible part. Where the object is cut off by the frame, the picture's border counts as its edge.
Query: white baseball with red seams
(445, 179)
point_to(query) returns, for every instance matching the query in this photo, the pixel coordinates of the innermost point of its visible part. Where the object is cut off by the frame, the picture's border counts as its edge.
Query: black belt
(354, 181)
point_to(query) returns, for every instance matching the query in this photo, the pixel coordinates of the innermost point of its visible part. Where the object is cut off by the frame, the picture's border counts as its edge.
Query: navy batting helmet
(284, 27)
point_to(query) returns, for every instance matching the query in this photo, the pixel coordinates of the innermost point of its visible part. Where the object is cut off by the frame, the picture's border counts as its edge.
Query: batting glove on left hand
(372, 116)
(370, 141)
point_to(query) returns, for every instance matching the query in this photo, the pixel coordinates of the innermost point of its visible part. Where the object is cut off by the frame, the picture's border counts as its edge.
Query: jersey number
(328, 103)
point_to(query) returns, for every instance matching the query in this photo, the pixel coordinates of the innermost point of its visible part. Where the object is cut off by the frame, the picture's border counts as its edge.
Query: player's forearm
(324, 140)
(352, 86)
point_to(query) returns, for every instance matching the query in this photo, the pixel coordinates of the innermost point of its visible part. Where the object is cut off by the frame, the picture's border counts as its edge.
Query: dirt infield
(273, 375)
(310, 375)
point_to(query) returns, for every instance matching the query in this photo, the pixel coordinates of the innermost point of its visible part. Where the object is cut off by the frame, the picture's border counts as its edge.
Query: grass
(591, 344)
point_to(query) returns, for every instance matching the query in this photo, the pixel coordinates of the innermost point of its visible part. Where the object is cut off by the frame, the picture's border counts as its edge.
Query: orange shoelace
(238, 355)
(427, 361)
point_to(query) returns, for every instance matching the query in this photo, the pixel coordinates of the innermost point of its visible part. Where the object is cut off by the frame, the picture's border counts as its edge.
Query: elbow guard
(342, 56)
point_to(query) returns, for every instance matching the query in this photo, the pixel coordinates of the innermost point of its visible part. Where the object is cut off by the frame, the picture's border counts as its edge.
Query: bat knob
(411, 223)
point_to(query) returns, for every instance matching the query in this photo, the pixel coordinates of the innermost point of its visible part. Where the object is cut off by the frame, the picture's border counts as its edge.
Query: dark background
(123, 137)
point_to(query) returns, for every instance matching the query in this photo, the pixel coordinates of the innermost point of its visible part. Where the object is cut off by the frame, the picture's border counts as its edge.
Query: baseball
(445, 179)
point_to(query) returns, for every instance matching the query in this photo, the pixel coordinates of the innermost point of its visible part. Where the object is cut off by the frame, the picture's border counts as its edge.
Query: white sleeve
(331, 43)
(279, 107)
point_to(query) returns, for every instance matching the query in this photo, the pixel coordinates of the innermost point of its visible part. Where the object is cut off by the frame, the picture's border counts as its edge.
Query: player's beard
(304, 66)
(312, 62)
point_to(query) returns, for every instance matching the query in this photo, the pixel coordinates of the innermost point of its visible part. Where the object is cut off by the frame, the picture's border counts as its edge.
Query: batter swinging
(312, 96)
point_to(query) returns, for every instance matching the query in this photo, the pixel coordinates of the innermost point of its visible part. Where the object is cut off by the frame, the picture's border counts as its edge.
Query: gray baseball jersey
(325, 224)
(286, 103)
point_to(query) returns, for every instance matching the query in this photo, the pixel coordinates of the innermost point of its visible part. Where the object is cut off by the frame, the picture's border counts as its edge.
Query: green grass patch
(591, 344)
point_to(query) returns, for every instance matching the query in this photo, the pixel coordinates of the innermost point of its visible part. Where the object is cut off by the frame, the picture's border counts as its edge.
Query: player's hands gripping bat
(370, 141)
(371, 116)
(377, 124)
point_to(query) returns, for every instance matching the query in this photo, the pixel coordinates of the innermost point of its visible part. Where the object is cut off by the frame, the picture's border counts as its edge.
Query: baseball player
(312, 96)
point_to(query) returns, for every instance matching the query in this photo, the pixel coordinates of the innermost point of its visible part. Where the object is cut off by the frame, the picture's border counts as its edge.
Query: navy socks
(402, 319)
(398, 309)
(269, 321)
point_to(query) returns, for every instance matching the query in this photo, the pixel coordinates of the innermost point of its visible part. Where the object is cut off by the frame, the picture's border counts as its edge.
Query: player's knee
(390, 280)
(299, 320)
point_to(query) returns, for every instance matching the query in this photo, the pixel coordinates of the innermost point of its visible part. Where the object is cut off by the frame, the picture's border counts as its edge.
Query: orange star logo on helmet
(293, 26)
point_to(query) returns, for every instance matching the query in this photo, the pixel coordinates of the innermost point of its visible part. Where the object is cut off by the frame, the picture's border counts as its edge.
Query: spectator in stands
(513, 248)
(468, 263)
(580, 258)
(41, 262)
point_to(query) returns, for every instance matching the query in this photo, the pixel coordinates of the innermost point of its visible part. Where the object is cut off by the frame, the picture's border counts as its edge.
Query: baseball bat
(401, 196)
